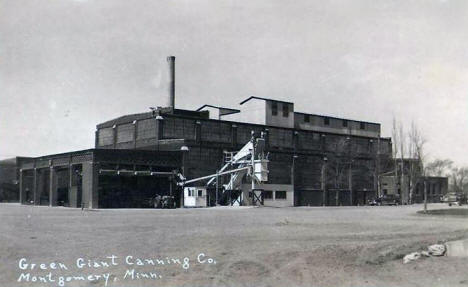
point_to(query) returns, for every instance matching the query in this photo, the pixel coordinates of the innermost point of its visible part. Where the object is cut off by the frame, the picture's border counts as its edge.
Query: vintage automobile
(453, 198)
(388, 199)
(165, 201)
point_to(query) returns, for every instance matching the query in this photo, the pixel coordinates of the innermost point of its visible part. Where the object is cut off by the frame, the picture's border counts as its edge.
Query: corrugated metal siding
(146, 129)
(106, 136)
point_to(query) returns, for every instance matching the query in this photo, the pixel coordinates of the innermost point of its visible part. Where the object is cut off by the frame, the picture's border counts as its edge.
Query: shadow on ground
(446, 212)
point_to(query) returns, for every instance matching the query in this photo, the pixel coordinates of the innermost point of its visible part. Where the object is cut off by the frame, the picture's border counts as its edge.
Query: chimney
(171, 62)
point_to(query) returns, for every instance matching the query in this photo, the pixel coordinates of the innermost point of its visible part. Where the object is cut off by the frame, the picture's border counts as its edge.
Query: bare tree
(399, 140)
(417, 168)
(439, 167)
(341, 167)
(459, 179)
(395, 150)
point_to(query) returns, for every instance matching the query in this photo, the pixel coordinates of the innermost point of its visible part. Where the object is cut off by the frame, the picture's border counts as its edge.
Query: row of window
(326, 120)
(279, 194)
(198, 193)
(274, 109)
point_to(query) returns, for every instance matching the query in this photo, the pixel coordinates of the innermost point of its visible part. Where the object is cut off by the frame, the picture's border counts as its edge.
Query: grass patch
(446, 212)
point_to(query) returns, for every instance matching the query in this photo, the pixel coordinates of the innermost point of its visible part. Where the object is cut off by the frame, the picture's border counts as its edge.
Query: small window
(280, 194)
(362, 126)
(189, 192)
(326, 121)
(274, 108)
(345, 123)
(385, 192)
(267, 194)
(285, 110)
(200, 192)
(250, 194)
(307, 118)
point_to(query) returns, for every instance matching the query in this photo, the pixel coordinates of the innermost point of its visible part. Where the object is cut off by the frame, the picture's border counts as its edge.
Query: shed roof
(264, 99)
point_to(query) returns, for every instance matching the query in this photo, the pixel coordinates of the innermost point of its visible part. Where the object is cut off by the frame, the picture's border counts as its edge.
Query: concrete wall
(280, 119)
(273, 202)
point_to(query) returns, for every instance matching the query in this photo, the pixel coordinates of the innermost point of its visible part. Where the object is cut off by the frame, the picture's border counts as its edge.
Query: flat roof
(101, 150)
(229, 110)
(336, 118)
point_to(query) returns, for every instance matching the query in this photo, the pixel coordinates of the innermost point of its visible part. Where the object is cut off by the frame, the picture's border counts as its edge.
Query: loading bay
(301, 246)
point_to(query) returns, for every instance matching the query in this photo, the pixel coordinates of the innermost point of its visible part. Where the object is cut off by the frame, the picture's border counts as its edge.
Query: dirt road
(321, 246)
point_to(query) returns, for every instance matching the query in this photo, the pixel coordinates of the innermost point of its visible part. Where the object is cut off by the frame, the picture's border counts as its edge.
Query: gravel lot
(301, 246)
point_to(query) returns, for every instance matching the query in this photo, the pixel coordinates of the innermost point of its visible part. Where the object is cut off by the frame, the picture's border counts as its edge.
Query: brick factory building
(325, 160)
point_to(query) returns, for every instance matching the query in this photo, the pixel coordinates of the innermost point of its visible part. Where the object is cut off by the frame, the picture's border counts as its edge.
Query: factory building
(314, 160)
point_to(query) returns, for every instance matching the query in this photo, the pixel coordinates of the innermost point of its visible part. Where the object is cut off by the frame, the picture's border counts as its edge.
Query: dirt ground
(301, 246)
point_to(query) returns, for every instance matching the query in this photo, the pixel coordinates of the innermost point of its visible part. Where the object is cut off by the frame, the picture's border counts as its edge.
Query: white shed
(195, 196)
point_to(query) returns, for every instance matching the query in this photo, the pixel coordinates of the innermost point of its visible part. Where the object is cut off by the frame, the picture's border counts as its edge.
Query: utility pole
(425, 194)
(323, 181)
(350, 181)
(253, 163)
(292, 173)
(217, 188)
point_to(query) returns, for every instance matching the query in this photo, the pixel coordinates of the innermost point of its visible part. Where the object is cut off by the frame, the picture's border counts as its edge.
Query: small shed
(195, 196)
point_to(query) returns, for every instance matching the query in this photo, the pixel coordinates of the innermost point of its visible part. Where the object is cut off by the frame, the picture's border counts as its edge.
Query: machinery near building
(251, 160)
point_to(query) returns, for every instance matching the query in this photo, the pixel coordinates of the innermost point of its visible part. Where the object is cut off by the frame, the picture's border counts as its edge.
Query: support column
(159, 127)
(350, 183)
(53, 187)
(295, 140)
(198, 131)
(234, 136)
(96, 139)
(22, 193)
(135, 133)
(90, 185)
(324, 182)
(114, 136)
(36, 190)
(71, 194)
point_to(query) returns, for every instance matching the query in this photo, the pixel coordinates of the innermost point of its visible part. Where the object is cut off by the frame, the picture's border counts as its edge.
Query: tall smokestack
(171, 62)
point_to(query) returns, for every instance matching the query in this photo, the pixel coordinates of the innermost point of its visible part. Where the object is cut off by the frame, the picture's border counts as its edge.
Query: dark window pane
(285, 110)
(280, 194)
(274, 108)
(267, 194)
(363, 126)
(345, 123)
(326, 121)
(307, 118)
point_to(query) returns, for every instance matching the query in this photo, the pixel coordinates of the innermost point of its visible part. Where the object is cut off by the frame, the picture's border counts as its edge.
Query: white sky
(66, 66)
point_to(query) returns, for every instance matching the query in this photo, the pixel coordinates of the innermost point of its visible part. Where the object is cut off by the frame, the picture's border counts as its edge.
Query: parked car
(388, 199)
(453, 198)
(165, 201)
(168, 202)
